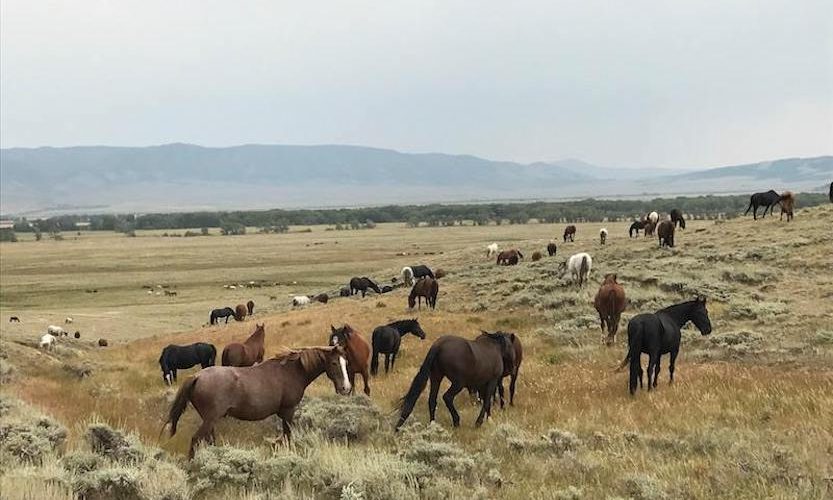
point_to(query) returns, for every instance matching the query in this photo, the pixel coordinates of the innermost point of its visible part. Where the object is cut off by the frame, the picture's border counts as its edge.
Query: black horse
(469, 364)
(181, 357)
(767, 200)
(387, 288)
(421, 271)
(830, 195)
(677, 218)
(225, 312)
(386, 340)
(659, 333)
(362, 284)
(635, 228)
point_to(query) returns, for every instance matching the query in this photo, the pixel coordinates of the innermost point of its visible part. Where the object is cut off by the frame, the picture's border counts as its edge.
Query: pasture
(748, 416)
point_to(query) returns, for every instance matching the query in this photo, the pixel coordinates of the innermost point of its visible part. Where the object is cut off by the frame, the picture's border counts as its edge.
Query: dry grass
(748, 416)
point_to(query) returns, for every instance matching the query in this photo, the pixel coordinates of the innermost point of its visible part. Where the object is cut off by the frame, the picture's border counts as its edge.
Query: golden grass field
(749, 416)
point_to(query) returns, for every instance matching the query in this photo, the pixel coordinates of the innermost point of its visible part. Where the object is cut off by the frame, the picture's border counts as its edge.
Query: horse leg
(287, 414)
(500, 394)
(656, 369)
(432, 395)
(512, 381)
(651, 360)
(366, 378)
(487, 403)
(351, 375)
(448, 398)
(374, 363)
(674, 353)
(393, 359)
(203, 433)
(387, 362)
(602, 321)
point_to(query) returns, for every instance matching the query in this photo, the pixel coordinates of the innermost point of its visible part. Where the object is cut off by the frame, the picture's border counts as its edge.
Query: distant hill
(178, 177)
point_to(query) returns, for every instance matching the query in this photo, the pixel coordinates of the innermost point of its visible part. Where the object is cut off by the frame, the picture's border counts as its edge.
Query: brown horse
(665, 234)
(511, 371)
(509, 257)
(247, 353)
(358, 353)
(570, 233)
(426, 287)
(477, 364)
(250, 305)
(649, 229)
(536, 256)
(274, 387)
(787, 205)
(240, 311)
(610, 302)
(552, 248)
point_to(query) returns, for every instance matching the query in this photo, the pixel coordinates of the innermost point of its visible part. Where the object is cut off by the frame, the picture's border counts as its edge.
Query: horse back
(470, 363)
(386, 339)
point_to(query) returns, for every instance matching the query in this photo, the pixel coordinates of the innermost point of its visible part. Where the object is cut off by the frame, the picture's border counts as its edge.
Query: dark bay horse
(240, 311)
(250, 305)
(649, 229)
(182, 357)
(386, 340)
(766, 200)
(610, 303)
(247, 353)
(570, 233)
(216, 314)
(358, 353)
(274, 387)
(477, 364)
(677, 218)
(552, 249)
(511, 371)
(509, 257)
(635, 228)
(659, 333)
(787, 205)
(362, 284)
(426, 287)
(665, 234)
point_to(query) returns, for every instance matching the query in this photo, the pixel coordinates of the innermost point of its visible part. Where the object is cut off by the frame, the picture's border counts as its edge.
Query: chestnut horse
(787, 205)
(247, 353)
(570, 233)
(609, 303)
(240, 311)
(358, 353)
(509, 257)
(274, 387)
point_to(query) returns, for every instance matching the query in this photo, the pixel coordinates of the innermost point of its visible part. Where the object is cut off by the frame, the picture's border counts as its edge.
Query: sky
(635, 83)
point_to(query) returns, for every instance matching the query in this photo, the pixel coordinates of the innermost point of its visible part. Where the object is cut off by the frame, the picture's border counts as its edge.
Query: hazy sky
(633, 83)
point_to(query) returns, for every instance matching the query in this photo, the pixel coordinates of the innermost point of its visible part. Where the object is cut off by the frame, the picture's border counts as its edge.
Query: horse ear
(333, 328)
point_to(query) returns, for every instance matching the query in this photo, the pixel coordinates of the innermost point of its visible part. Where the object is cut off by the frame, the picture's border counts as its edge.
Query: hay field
(749, 415)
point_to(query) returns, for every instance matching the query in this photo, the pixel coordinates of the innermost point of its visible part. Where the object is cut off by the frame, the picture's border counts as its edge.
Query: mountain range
(177, 177)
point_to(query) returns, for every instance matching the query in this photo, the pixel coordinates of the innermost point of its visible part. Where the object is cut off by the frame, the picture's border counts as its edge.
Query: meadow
(749, 414)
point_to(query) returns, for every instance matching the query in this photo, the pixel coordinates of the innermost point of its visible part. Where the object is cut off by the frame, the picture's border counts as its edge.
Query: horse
(250, 305)
(300, 300)
(358, 353)
(653, 217)
(247, 353)
(552, 249)
(766, 200)
(344, 292)
(665, 234)
(411, 273)
(321, 297)
(240, 311)
(491, 250)
(536, 256)
(386, 340)
(509, 257)
(830, 194)
(274, 387)
(68, 320)
(649, 229)
(509, 371)
(387, 289)
(609, 303)
(659, 333)
(77, 335)
(47, 341)
(102, 343)
(677, 218)
(787, 205)
(603, 235)
(225, 312)
(440, 273)
(579, 266)
(477, 364)
(362, 284)
(570, 232)
(635, 228)
(14, 319)
(428, 288)
(56, 330)
(176, 357)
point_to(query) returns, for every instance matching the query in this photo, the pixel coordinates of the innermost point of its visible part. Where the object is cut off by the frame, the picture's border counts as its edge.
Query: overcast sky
(621, 83)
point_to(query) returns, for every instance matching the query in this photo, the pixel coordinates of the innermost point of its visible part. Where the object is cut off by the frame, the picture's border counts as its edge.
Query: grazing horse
(509, 371)
(536, 256)
(552, 249)
(491, 250)
(387, 288)
(787, 205)
(240, 312)
(570, 232)
(610, 302)
(321, 297)
(579, 266)
(637, 226)
(386, 340)
(182, 357)
(300, 300)
(68, 320)
(102, 343)
(411, 273)
(603, 235)
(428, 288)
(344, 292)
(766, 200)
(677, 218)
(665, 234)
(47, 341)
(659, 333)
(477, 364)
(14, 319)
(362, 284)
(247, 353)
(225, 312)
(250, 305)
(509, 257)
(56, 330)
(653, 217)
(649, 229)
(274, 387)
(358, 353)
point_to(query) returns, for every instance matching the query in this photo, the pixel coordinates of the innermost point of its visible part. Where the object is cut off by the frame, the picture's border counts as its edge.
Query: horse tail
(212, 358)
(435, 290)
(406, 404)
(224, 360)
(374, 362)
(180, 403)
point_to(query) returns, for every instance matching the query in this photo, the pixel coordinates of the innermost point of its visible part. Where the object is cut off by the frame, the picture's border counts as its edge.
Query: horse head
(610, 278)
(340, 336)
(416, 329)
(336, 369)
(699, 315)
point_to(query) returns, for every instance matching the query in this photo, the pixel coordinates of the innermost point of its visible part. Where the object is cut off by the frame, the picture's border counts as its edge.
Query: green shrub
(214, 467)
(30, 441)
(644, 487)
(113, 444)
(116, 483)
(353, 418)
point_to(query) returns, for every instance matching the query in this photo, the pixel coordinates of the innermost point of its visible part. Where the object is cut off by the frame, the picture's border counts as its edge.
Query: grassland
(748, 417)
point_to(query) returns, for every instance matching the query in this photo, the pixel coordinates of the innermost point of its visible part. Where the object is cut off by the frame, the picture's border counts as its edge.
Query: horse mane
(307, 356)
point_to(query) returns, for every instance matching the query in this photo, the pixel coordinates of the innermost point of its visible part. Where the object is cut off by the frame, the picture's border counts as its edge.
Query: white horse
(653, 217)
(579, 266)
(491, 250)
(408, 276)
(300, 300)
(603, 235)
(68, 320)
(47, 341)
(55, 330)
